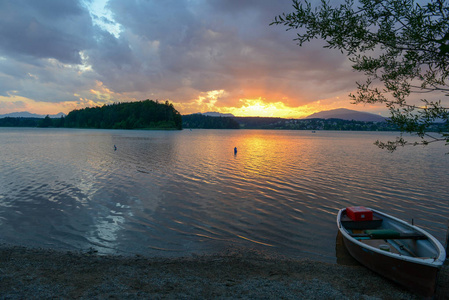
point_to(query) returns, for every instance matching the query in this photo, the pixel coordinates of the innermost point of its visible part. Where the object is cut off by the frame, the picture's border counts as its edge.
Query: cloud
(177, 50)
(44, 29)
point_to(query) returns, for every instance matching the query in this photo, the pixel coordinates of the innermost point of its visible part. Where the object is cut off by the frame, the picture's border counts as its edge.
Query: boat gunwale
(432, 262)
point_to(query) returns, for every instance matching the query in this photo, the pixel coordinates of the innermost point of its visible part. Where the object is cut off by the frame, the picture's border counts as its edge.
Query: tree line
(208, 122)
(94, 118)
(147, 114)
(19, 122)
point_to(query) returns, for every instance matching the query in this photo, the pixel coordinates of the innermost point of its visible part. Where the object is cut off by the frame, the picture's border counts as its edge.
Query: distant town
(209, 122)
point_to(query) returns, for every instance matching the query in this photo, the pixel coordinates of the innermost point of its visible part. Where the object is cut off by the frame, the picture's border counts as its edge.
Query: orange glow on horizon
(260, 108)
(275, 107)
(211, 101)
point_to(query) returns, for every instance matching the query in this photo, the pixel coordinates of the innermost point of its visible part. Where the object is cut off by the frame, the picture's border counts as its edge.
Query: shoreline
(45, 273)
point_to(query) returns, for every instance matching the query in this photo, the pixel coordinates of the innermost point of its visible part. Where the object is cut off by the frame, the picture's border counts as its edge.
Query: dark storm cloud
(53, 50)
(206, 45)
(44, 29)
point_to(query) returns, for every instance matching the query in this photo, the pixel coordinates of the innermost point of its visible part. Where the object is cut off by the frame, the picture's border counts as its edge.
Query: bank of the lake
(27, 273)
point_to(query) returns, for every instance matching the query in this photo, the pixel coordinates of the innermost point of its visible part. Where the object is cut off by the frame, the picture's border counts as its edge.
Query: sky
(200, 55)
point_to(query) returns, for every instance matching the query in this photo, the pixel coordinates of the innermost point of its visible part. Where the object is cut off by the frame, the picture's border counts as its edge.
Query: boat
(393, 248)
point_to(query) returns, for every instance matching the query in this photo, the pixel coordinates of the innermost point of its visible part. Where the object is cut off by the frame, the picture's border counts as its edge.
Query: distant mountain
(217, 114)
(347, 114)
(25, 114)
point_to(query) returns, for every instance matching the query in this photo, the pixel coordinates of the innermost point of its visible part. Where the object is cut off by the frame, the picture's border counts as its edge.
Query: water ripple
(177, 193)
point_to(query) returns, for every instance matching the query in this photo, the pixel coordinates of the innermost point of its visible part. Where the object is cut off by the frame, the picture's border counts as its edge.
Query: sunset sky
(201, 55)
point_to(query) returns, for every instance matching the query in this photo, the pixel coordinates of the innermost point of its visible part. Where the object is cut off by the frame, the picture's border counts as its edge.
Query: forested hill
(132, 115)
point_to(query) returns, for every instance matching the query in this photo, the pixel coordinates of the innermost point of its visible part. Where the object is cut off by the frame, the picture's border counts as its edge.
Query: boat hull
(417, 272)
(420, 279)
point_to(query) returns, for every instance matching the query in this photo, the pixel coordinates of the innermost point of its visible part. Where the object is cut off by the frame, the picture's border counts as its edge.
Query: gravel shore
(41, 273)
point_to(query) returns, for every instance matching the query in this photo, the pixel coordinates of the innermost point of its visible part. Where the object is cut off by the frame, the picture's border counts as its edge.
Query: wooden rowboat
(395, 249)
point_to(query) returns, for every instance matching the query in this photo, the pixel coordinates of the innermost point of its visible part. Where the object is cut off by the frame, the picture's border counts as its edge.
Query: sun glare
(260, 108)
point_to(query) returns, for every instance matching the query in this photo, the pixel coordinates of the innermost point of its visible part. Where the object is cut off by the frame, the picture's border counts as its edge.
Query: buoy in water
(235, 150)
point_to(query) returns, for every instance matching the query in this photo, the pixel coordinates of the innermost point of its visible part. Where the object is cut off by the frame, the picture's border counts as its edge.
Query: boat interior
(389, 235)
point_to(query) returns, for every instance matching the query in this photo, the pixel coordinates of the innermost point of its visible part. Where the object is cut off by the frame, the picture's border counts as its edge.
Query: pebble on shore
(43, 273)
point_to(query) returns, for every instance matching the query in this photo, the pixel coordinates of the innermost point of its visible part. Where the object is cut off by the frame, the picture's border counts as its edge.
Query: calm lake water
(175, 193)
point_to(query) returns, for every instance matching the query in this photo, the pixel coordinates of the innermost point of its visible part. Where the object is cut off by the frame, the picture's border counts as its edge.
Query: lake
(177, 193)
